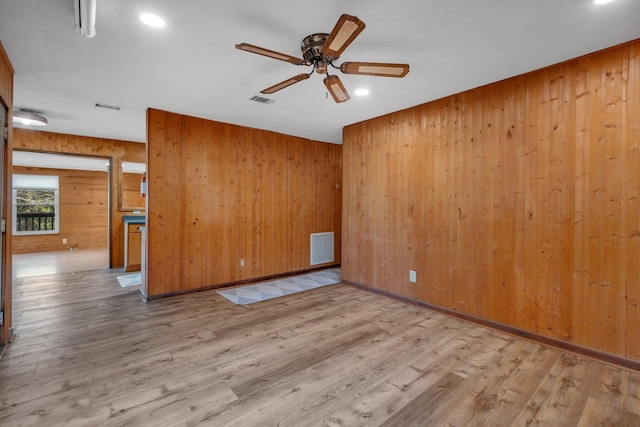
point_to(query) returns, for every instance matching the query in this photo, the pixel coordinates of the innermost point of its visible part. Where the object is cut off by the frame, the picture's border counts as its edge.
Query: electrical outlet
(64, 241)
(242, 262)
(412, 276)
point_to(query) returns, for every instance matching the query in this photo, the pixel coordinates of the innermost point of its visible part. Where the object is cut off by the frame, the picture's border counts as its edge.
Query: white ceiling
(66, 161)
(59, 161)
(192, 67)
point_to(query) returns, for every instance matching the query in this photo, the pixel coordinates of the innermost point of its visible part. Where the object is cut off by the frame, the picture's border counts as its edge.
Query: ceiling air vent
(107, 106)
(263, 100)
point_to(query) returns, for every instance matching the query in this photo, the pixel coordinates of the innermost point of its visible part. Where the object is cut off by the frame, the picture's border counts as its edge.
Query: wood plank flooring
(53, 262)
(89, 352)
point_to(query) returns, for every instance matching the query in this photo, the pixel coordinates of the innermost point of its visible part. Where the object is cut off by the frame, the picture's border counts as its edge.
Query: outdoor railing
(35, 221)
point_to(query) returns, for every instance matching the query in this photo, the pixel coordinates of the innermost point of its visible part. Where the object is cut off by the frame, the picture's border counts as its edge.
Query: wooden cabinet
(133, 245)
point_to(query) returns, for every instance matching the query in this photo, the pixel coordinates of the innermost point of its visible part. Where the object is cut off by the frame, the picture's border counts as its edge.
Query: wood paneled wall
(219, 193)
(6, 99)
(87, 146)
(517, 202)
(84, 212)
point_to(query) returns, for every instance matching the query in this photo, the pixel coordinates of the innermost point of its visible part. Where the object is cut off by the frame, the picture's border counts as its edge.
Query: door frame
(6, 98)
(6, 298)
(110, 171)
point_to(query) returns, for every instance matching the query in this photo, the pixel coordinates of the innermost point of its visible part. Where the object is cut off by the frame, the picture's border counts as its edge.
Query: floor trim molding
(598, 355)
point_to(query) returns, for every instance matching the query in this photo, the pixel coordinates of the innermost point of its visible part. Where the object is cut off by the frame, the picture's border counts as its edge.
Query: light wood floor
(89, 352)
(43, 263)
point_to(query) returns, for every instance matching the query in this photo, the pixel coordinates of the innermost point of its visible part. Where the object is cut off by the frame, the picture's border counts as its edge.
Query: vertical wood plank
(579, 311)
(422, 204)
(613, 298)
(479, 197)
(462, 214)
(596, 201)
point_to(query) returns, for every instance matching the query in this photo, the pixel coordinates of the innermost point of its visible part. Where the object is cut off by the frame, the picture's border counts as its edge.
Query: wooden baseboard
(239, 282)
(522, 333)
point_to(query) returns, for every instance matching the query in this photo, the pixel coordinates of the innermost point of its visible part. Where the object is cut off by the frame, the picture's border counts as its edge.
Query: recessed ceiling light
(152, 20)
(362, 92)
(602, 1)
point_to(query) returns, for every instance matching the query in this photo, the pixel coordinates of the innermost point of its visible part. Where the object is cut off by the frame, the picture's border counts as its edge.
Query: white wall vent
(321, 248)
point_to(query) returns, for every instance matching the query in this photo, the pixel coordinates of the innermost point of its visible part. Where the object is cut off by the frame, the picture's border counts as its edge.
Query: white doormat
(277, 288)
(128, 280)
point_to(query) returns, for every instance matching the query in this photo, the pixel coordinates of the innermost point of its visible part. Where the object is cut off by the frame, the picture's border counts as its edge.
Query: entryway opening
(61, 215)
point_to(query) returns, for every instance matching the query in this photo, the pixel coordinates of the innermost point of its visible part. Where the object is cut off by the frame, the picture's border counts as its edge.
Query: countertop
(133, 219)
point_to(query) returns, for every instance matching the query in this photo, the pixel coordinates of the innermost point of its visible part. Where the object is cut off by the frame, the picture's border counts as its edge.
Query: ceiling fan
(321, 50)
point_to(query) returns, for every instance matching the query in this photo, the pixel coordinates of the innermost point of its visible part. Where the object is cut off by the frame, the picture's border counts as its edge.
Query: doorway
(74, 234)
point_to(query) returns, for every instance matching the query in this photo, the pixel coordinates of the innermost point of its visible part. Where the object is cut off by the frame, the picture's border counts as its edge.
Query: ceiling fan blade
(375, 69)
(336, 88)
(271, 54)
(346, 30)
(285, 83)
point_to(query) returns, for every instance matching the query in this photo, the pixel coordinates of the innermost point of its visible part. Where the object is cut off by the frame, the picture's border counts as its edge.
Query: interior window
(35, 204)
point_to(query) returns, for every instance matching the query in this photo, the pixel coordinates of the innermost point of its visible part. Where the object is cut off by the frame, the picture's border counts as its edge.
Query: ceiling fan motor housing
(312, 47)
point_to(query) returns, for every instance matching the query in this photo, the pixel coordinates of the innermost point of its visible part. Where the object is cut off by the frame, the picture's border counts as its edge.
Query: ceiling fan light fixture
(286, 83)
(336, 89)
(321, 67)
(346, 30)
(29, 118)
